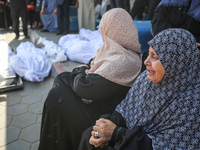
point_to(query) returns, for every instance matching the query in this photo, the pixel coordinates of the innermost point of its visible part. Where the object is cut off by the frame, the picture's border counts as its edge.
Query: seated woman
(163, 102)
(81, 96)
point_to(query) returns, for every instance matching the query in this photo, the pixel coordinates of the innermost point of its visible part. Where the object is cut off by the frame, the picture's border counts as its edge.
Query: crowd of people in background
(53, 15)
(37, 14)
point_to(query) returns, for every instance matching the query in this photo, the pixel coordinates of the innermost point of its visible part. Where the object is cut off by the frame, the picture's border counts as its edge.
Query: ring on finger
(96, 134)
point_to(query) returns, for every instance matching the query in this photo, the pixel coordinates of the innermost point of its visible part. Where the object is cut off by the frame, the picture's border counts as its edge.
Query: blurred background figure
(63, 16)
(18, 9)
(5, 16)
(49, 15)
(31, 11)
(86, 14)
(116, 4)
(127, 5)
(178, 14)
(139, 8)
(37, 20)
(151, 8)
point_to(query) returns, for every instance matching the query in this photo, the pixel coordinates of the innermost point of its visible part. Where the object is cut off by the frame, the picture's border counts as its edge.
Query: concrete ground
(21, 110)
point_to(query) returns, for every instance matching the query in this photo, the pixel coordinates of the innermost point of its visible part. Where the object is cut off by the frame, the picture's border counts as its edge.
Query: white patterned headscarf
(168, 111)
(119, 59)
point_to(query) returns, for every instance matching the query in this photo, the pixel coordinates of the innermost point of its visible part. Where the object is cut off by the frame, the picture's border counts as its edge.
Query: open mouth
(150, 72)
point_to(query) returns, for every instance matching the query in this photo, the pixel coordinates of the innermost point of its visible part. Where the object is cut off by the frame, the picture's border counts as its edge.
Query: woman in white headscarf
(81, 96)
(163, 102)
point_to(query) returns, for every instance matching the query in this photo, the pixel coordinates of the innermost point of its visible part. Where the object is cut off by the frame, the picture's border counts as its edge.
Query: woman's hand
(83, 65)
(77, 4)
(42, 12)
(105, 130)
(55, 12)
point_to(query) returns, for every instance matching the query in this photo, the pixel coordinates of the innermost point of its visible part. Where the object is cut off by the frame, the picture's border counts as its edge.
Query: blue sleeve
(44, 2)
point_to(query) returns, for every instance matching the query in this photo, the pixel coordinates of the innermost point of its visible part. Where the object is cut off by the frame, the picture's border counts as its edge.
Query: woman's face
(155, 69)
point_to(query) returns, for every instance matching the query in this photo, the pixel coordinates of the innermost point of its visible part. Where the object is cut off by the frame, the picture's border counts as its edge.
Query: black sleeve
(116, 118)
(93, 86)
(120, 130)
(131, 139)
(123, 138)
(160, 19)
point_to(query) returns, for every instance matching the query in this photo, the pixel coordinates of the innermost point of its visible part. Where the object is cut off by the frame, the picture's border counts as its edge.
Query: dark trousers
(16, 12)
(116, 3)
(138, 8)
(127, 5)
(63, 16)
(152, 6)
(31, 15)
(120, 4)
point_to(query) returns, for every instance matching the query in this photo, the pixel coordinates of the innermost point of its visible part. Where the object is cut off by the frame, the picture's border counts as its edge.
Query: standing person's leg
(15, 19)
(152, 6)
(66, 7)
(28, 17)
(44, 19)
(138, 9)
(32, 18)
(112, 4)
(127, 5)
(119, 3)
(60, 18)
(86, 14)
(23, 14)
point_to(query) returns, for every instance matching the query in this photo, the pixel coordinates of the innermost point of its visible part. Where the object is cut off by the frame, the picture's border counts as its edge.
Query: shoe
(59, 32)
(65, 32)
(44, 30)
(27, 37)
(17, 37)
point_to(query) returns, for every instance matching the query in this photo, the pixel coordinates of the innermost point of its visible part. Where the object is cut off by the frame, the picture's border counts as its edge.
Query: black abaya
(68, 109)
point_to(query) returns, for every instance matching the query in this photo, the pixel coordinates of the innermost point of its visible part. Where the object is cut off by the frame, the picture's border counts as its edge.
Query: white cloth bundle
(53, 51)
(30, 62)
(83, 46)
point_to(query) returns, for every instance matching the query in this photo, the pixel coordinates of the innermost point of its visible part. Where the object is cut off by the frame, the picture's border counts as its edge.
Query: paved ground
(20, 110)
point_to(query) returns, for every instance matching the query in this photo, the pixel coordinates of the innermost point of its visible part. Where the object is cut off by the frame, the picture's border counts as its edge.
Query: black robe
(74, 103)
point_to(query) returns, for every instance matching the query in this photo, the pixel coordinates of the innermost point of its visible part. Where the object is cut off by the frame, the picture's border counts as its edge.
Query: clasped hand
(105, 129)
